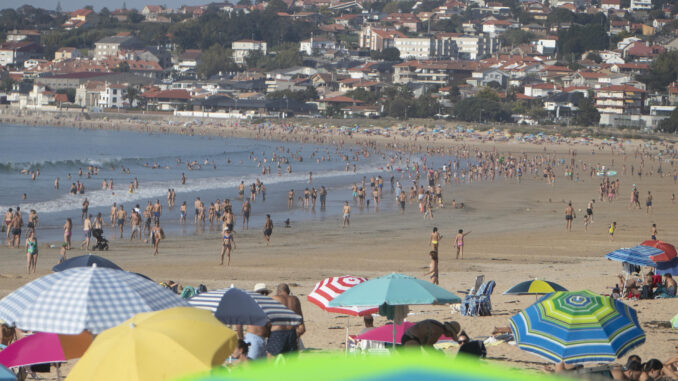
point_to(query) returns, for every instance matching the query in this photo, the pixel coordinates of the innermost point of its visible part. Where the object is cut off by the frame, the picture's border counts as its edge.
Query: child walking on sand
(653, 232)
(611, 230)
(433, 267)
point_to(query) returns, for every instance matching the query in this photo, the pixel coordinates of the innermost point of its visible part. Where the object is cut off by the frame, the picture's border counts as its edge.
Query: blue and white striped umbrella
(577, 327)
(236, 306)
(637, 255)
(83, 298)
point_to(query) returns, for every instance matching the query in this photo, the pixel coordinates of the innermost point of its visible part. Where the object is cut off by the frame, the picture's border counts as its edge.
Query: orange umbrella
(669, 250)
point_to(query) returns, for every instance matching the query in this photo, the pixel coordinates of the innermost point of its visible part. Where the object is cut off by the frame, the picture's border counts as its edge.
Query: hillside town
(564, 62)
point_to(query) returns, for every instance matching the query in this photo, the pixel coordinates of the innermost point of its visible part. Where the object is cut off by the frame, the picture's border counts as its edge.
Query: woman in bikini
(227, 245)
(435, 238)
(459, 243)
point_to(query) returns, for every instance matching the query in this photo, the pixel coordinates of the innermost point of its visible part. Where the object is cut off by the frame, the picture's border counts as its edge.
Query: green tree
(123, 67)
(663, 71)
(595, 57)
(478, 109)
(390, 54)
(587, 115)
(362, 94)
(132, 94)
(7, 84)
(669, 125)
(581, 38)
(214, 60)
(276, 6)
(425, 106)
(513, 37)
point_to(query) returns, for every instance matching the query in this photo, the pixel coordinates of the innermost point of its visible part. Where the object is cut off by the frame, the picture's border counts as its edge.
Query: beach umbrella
(83, 298)
(329, 288)
(408, 365)
(154, 346)
(236, 306)
(326, 290)
(41, 347)
(669, 251)
(534, 286)
(576, 327)
(85, 261)
(385, 332)
(391, 291)
(637, 255)
(6, 374)
(670, 267)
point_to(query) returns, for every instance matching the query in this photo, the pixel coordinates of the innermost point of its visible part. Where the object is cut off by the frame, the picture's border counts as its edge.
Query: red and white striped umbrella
(332, 287)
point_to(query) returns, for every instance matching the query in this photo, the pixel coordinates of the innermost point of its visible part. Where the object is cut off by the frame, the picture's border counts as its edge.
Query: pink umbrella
(385, 333)
(40, 348)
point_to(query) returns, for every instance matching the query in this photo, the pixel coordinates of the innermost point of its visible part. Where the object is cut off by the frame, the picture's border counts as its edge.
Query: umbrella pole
(394, 335)
(348, 321)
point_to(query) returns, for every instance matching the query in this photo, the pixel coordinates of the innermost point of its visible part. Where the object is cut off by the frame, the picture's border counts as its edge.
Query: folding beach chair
(479, 304)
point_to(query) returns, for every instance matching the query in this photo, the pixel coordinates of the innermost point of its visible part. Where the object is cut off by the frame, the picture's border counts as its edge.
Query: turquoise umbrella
(394, 290)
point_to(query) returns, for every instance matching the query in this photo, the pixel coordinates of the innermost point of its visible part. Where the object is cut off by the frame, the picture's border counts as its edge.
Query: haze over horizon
(71, 5)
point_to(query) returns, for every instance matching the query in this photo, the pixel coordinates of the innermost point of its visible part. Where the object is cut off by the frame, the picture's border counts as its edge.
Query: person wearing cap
(427, 332)
(254, 335)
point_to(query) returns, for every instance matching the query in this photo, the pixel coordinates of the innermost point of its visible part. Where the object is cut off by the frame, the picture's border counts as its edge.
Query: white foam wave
(158, 190)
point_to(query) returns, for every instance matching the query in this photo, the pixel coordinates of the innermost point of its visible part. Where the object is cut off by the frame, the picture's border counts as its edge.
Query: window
(115, 100)
(115, 92)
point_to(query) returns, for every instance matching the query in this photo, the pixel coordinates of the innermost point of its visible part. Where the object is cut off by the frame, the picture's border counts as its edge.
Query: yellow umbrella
(159, 345)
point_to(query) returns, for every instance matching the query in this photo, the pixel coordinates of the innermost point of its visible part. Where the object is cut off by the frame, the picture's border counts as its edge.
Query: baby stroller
(102, 243)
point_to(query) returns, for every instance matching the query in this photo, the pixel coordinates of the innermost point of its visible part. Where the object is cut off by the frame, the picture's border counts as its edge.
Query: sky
(70, 5)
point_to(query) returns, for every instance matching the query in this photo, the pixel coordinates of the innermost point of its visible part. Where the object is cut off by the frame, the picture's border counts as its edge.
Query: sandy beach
(517, 233)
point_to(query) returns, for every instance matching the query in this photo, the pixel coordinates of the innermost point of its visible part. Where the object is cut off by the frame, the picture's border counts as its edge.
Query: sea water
(59, 152)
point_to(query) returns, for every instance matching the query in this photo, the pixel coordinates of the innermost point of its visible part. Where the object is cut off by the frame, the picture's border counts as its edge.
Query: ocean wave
(158, 189)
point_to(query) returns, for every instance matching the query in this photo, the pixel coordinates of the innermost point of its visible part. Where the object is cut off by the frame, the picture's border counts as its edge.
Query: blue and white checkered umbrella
(83, 298)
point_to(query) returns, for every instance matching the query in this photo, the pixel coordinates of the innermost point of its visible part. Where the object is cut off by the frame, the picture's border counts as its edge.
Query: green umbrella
(410, 365)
